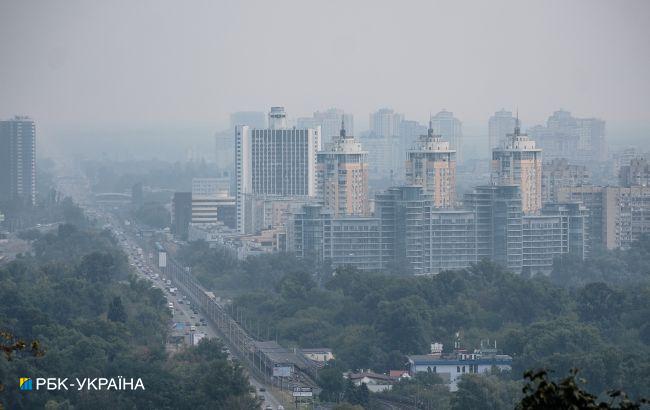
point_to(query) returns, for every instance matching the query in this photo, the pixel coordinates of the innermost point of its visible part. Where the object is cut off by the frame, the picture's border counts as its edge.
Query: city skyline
(325, 204)
(180, 79)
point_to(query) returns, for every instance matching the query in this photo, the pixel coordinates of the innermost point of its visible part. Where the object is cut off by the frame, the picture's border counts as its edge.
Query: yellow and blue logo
(25, 383)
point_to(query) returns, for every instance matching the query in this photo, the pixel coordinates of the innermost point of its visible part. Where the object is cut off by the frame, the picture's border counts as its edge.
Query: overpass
(261, 356)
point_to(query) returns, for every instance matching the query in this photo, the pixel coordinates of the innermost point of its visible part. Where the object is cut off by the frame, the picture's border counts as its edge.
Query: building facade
(18, 161)
(637, 173)
(385, 122)
(580, 140)
(500, 125)
(452, 239)
(519, 162)
(342, 176)
(404, 213)
(544, 238)
(498, 213)
(557, 174)
(315, 233)
(329, 121)
(450, 128)
(617, 216)
(274, 162)
(432, 165)
(575, 220)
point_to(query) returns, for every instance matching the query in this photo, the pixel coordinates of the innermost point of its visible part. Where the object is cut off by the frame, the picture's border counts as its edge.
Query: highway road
(144, 268)
(184, 312)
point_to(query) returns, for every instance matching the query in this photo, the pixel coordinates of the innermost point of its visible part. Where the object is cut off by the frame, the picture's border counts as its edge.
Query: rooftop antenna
(430, 130)
(342, 134)
(517, 129)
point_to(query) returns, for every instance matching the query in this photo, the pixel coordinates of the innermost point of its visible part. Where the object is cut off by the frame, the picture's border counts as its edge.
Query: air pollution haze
(121, 74)
(325, 204)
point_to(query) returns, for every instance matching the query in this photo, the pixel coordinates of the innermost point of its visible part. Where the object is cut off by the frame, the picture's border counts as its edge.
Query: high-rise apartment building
(452, 242)
(418, 238)
(385, 147)
(544, 238)
(404, 213)
(385, 122)
(316, 234)
(559, 174)
(581, 140)
(450, 128)
(329, 121)
(637, 173)
(498, 210)
(432, 165)
(593, 198)
(519, 162)
(277, 161)
(18, 161)
(500, 125)
(617, 215)
(575, 221)
(342, 176)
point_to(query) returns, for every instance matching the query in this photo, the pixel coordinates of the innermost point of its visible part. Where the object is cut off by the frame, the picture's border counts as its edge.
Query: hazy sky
(106, 63)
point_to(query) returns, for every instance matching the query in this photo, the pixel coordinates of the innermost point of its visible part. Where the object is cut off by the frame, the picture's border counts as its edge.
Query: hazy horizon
(139, 68)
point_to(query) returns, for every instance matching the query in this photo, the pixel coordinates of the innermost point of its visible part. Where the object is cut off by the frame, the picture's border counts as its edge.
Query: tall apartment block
(617, 215)
(329, 122)
(277, 161)
(385, 122)
(498, 210)
(432, 165)
(18, 161)
(575, 221)
(559, 174)
(342, 176)
(519, 162)
(452, 240)
(500, 125)
(450, 128)
(315, 233)
(544, 238)
(593, 198)
(404, 213)
(384, 144)
(421, 239)
(637, 173)
(579, 139)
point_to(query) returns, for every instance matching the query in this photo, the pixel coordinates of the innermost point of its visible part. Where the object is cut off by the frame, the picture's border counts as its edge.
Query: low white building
(374, 382)
(452, 367)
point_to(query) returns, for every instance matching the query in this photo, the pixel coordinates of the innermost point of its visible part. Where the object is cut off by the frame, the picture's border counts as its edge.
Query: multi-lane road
(183, 311)
(144, 268)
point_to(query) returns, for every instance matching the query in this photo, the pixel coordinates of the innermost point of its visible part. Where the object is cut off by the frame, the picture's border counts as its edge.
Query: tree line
(75, 295)
(590, 315)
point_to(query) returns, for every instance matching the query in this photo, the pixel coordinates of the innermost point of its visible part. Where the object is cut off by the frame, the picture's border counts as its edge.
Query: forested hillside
(76, 296)
(590, 315)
